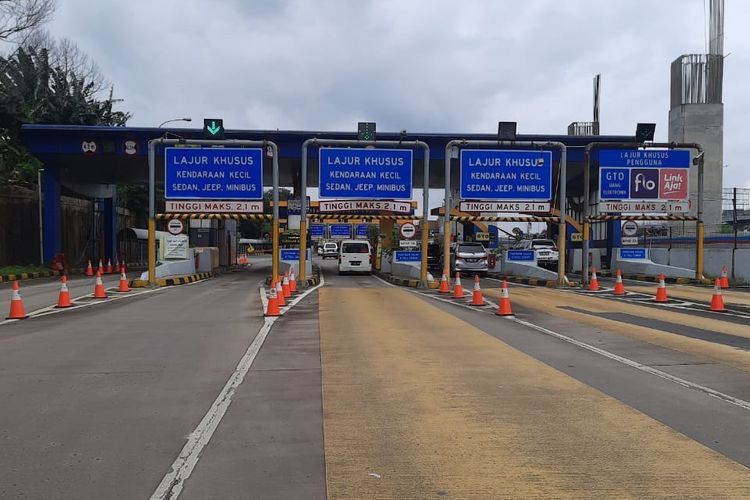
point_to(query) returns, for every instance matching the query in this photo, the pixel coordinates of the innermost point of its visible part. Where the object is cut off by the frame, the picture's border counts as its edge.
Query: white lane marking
(745, 405)
(173, 482)
(47, 310)
(639, 366)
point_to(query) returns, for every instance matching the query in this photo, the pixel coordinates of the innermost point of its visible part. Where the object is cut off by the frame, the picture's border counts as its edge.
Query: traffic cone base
(16, 304)
(458, 291)
(123, 285)
(661, 291)
(717, 301)
(272, 309)
(593, 282)
(503, 307)
(63, 299)
(443, 288)
(619, 287)
(99, 292)
(476, 294)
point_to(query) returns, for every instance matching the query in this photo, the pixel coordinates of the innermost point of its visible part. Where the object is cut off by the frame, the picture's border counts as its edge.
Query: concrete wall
(713, 260)
(703, 124)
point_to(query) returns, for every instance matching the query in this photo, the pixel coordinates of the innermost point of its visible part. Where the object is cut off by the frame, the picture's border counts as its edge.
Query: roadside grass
(22, 269)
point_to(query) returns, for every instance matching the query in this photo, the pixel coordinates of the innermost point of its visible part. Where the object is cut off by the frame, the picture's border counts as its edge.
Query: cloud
(424, 66)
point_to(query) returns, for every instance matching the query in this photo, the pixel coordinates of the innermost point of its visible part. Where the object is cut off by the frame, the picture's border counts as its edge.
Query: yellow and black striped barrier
(482, 218)
(607, 218)
(205, 216)
(340, 217)
(176, 280)
(27, 276)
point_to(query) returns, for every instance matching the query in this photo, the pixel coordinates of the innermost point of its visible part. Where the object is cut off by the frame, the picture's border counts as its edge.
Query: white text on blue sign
(493, 174)
(365, 173)
(213, 173)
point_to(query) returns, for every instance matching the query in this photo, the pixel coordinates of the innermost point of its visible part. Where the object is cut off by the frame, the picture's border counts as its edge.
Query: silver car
(469, 258)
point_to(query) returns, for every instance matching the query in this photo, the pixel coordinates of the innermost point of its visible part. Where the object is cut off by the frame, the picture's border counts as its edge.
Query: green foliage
(34, 91)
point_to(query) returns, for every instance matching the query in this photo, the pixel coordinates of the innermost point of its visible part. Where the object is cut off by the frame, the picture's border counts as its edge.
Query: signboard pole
(458, 143)
(635, 145)
(351, 142)
(226, 142)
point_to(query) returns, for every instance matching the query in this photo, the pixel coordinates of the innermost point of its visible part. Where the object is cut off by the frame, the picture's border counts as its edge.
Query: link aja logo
(673, 183)
(644, 183)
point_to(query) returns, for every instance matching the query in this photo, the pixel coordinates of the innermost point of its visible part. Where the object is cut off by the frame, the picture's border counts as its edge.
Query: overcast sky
(424, 66)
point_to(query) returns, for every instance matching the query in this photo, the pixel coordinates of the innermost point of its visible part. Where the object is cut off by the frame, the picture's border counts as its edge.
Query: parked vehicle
(469, 257)
(330, 250)
(355, 256)
(547, 255)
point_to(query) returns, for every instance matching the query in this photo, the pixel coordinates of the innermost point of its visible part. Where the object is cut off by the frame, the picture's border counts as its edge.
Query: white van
(355, 256)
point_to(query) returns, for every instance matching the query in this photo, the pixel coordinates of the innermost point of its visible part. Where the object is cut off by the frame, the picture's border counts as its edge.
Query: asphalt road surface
(366, 390)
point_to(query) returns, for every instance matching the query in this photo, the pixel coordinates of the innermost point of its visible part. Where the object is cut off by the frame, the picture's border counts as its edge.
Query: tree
(18, 18)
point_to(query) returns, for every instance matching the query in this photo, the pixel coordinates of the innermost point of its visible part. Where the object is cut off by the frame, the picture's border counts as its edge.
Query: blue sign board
(644, 158)
(632, 253)
(520, 255)
(494, 174)
(365, 173)
(407, 256)
(614, 183)
(361, 230)
(213, 173)
(341, 230)
(317, 231)
(289, 254)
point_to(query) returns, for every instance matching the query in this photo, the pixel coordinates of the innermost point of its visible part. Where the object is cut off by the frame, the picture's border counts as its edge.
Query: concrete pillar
(51, 212)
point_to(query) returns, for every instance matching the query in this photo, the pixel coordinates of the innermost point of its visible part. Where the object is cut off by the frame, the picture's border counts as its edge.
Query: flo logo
(644, 183)
(673, 184)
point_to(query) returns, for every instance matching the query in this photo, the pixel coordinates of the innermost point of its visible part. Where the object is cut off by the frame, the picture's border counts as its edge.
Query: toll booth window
(355, 248)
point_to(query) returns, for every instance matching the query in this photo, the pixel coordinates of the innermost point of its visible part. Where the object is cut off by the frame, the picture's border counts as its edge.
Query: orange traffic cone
(280, 294)
(16, 304)
(100, 269)
(108, 269)
(444, 285)
(285, 288)
(123, 285)
(63, 300)
(123, 268)
(661, 291)
(458, 291)
(476, 294)
(717, 301)
(272, 309)
(619, 287)
(724, 280)
(89, 269)
(503, 307)
(99, 292)
(117, 263)
(593, 282)
(292, 281)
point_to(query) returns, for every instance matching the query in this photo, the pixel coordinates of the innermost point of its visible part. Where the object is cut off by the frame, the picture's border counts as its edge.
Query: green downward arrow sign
(213, 129)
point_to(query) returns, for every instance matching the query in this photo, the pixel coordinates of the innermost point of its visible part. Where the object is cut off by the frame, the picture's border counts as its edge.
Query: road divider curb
(528, 281)
(27, 276)
(173, 281)
(408, 282)
(655, 279)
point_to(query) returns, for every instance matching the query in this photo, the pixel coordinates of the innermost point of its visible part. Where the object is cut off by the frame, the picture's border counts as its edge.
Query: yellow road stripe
(419, 404)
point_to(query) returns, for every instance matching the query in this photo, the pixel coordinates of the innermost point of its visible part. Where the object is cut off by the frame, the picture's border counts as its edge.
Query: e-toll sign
(213, 173)
(643, 174)
(493, 174)
(317, 231)
(365, 173)
(341, 231)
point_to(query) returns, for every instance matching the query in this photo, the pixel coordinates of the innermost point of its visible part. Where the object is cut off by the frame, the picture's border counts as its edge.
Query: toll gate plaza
(379, 340)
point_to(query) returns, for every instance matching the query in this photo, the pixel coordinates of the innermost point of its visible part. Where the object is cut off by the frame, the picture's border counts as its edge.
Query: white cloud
(426, 66)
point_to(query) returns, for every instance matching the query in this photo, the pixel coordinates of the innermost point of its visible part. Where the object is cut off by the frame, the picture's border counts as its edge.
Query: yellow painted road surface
(419, 404)
(557, 302)
(695, 294)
